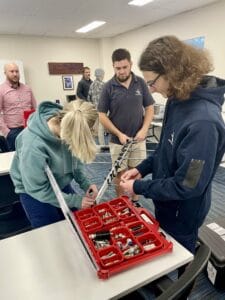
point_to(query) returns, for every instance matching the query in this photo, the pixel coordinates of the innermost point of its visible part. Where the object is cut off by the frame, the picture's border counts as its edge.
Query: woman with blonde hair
(192, 141)
(62, 138)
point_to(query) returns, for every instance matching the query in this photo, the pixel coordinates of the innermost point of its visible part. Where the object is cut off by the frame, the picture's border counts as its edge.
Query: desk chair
(26, 115)
(13, 219)
(166, 288)
(7, 194)
(176, 290)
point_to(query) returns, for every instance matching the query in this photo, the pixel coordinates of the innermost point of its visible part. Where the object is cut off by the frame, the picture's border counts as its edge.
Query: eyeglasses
(150, 83)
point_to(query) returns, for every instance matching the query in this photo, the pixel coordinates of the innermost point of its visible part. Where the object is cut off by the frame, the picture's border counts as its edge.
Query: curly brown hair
(182, 65)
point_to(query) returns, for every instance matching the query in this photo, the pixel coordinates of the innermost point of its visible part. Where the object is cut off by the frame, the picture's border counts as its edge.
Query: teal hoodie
(36, 146)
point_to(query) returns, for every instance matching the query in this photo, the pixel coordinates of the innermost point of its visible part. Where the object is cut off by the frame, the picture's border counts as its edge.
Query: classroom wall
(36, 52)
(208, 21)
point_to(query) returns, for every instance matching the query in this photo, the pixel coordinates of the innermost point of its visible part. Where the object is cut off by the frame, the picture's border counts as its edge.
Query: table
(50, 263)
(5, 162)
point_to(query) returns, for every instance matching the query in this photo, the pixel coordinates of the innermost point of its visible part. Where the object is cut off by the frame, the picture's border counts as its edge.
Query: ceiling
(61, 18)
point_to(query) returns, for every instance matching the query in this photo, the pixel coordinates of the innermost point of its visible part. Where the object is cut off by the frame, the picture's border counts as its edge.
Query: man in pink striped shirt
(15, 98)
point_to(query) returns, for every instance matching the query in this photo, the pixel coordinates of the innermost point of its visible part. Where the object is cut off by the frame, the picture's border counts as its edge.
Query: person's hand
(87, 202)
(131, 174)
(92, 191)
(127, 186)
(141, 135)
(123, 138)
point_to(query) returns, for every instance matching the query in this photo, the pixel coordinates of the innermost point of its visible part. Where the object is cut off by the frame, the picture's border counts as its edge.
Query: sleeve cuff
(137, 187)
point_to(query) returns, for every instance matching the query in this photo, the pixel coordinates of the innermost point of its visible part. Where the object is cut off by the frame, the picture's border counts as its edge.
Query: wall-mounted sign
(65, 68)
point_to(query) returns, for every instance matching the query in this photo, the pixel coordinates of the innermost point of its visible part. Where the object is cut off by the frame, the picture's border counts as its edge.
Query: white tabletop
(50, 264)
(5, 162)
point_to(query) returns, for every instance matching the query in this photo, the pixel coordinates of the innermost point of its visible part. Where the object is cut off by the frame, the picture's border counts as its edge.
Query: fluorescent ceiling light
(139, 2)
(90, 26)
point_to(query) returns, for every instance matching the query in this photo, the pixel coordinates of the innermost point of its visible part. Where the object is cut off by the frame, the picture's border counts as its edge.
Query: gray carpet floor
(203, 289)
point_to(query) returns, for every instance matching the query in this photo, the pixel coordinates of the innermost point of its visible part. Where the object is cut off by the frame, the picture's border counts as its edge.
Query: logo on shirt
(171, 139)
(138, 93)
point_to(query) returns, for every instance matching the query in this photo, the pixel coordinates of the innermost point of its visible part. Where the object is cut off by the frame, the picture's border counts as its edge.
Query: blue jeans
(187, 240)
(11, 137)
(39, 213)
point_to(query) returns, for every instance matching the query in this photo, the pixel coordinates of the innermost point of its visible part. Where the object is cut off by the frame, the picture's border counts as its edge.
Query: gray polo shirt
(125, 106)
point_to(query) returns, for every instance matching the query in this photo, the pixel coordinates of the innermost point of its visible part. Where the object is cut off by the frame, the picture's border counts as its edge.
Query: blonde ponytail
(78, 119)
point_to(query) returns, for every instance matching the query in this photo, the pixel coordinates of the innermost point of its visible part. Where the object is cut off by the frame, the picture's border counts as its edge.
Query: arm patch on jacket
(193, 174)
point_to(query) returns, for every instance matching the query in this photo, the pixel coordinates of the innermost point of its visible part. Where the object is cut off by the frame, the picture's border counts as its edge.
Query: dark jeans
(188, 241)
(40, 213)
(3, 144)
(11, 137)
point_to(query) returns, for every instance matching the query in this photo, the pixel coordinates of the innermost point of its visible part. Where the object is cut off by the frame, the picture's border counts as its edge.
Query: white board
(6, 61)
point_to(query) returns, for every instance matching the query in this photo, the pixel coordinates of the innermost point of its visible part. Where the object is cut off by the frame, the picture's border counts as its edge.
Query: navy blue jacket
(191, 147)
(83, 88)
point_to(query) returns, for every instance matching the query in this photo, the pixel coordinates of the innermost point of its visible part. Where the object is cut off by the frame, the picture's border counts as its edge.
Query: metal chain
(114, 170)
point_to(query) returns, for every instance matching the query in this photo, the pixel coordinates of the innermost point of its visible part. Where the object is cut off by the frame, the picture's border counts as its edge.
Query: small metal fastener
(110, 254)
(112, 262)
(131, 251)
(149, 247)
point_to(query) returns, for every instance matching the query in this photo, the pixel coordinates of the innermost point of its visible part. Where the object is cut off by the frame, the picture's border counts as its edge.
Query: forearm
(105, 121)
(73, 200)
(4, 130)
(145, 167)
(149, 113)
(81, 179)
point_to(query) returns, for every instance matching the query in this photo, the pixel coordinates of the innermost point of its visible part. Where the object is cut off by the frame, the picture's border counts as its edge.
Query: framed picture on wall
(67, 82)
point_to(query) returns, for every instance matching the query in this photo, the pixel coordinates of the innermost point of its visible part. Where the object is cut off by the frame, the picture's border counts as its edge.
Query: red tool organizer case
(120, 235)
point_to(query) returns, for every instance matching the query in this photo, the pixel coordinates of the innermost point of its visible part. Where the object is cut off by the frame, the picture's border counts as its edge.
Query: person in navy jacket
(192, 141)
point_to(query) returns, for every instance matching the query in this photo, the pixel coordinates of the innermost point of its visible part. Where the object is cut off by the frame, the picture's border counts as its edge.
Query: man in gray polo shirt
(127, 99)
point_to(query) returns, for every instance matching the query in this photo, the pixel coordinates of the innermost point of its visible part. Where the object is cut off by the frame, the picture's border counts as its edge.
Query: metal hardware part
(113, 172)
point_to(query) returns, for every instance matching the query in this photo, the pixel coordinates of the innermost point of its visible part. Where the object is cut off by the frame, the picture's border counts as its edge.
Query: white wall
(35, 53)
(208, 21)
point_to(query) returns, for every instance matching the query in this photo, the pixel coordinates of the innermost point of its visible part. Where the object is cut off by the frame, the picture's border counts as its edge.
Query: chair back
(178, 289)
(26, 115)
(13, 219)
